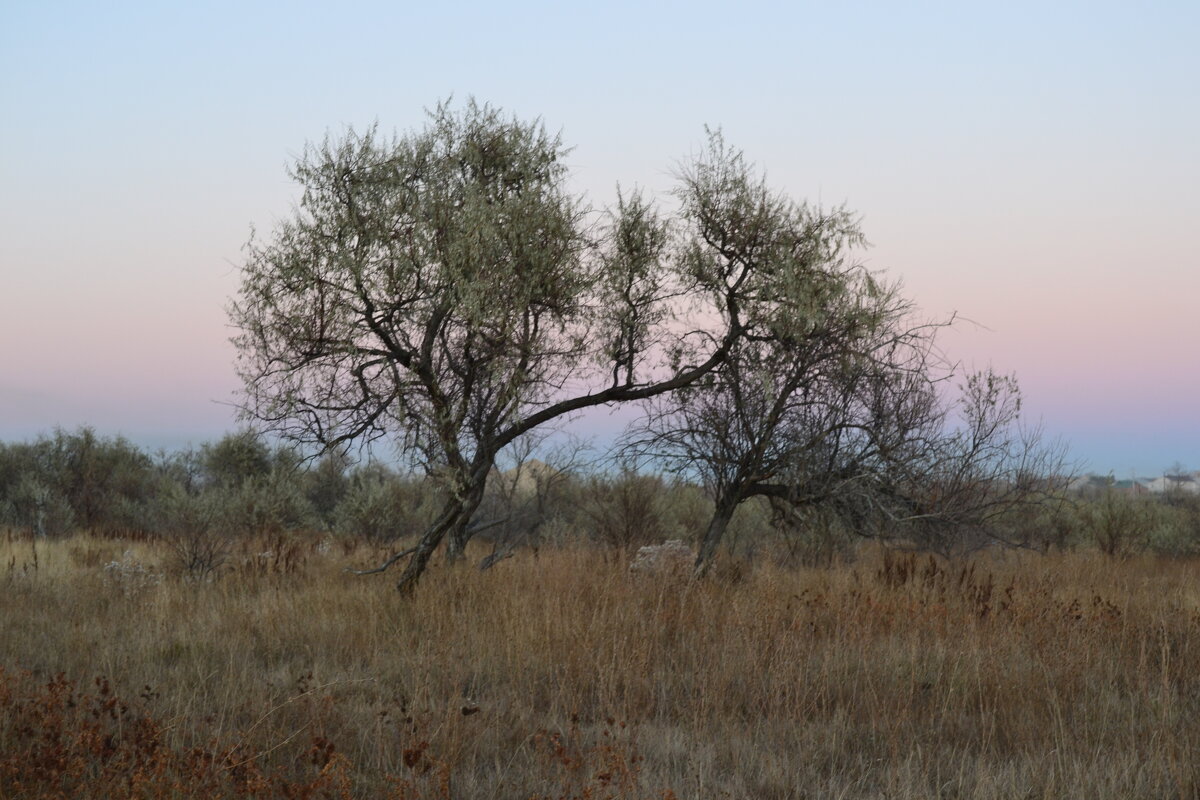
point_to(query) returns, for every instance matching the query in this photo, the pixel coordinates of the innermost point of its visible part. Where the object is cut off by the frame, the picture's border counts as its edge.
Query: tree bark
(428, 543)
(727, 504)
(456, 542)
(460, 531)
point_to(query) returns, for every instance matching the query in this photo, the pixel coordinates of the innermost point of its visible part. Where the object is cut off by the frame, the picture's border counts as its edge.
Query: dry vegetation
(562, 675)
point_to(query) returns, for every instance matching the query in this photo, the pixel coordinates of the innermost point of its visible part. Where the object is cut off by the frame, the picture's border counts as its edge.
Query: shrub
(189, 524)
(264, 506)
(37, 507)
(380, 506)
(626, 509)
(1119, 524)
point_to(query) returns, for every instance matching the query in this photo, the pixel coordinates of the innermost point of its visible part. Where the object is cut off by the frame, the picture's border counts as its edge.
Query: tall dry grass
(562, 675)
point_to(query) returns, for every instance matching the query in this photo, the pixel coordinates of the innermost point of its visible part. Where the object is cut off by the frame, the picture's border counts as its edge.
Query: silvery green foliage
(428, 285)
(178, 511)
(787, 261)
(236, 486)
(445, 290)
(183, 468)
(234, 459)
(831, 396)
(632, 285)
(131, 515)
(821, 379)
(40, 509)
(380, 506)
(100, 481)
(268, 505)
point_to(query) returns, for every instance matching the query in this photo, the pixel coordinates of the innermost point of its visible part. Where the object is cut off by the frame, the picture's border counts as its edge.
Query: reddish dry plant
(603, 769)
(63, 742)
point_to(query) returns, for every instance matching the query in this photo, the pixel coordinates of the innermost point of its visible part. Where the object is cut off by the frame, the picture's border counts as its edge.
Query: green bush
(38, 507)
(379, 506)
(1121, 524)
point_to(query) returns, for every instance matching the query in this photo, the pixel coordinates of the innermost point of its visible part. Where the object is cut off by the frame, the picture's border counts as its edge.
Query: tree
(236, 459)
(847, 417)
(833, 395)
(979, 474)
(826, 383)
(445, 290)
(77, 478)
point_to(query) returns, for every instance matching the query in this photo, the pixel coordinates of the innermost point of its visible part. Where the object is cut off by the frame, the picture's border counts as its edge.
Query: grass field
(561, 675)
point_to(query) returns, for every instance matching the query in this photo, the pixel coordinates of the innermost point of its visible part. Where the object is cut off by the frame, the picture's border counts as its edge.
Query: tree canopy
(446, 291)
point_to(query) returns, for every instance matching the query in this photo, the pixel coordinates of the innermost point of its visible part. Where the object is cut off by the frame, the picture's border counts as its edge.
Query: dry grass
(1018, 676)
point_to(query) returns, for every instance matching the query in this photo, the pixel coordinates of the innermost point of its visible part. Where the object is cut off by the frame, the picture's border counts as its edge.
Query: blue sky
(1033, 167)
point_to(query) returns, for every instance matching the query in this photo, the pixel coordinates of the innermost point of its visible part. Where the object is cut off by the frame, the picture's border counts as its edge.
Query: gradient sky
(1035, 169)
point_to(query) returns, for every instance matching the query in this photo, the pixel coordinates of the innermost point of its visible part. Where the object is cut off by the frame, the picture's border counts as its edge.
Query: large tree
(829, 382)
(444, 289)
(834, 395)
(834, 398)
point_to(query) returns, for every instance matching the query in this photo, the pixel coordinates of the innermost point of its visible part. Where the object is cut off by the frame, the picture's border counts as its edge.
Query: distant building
(1085, 484)
(1091, 485)
(1181, 484)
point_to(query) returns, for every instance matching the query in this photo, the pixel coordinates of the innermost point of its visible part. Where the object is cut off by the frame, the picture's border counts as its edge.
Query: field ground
(560, 675)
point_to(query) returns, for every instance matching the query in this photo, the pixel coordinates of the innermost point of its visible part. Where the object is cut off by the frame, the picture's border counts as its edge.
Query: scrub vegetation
(561, 674)
(206, 637)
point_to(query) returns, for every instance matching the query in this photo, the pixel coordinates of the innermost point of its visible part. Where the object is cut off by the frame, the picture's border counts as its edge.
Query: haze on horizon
(1033, 169)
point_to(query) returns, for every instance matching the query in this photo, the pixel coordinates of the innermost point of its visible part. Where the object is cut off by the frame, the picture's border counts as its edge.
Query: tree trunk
(727, 503)
(452, 512)
(456, 542)
(460, 531)
(455, 520)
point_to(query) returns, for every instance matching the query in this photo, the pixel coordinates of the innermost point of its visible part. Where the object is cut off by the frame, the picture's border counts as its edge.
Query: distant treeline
(243, 485)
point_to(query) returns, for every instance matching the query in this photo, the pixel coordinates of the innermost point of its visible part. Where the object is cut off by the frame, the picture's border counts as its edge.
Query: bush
(189, 524)
(37, 507)
(1119, 524)
(325, 486)
(627, 509)
(1177, 532)
(264, 506)
(70, 479)
(380, 506)
(235, 459)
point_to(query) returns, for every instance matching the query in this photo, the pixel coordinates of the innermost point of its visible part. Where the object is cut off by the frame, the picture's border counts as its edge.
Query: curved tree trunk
(451, 514)
(727, 503)
(460, 531)
(416, 565)
(454, 525)
(456, 543)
